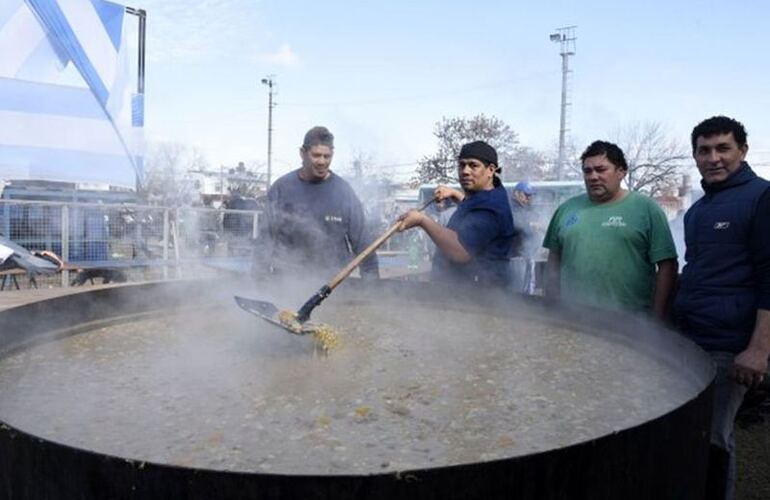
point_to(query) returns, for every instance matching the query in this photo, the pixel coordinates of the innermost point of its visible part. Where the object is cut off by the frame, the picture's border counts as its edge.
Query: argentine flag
(68, 107)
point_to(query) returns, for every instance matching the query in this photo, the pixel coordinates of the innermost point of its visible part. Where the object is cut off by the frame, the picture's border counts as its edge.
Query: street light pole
(566, 37)
(137, 101)
(270, 82)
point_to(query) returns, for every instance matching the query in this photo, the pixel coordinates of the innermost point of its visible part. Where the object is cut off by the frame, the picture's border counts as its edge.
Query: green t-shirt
(609, 250)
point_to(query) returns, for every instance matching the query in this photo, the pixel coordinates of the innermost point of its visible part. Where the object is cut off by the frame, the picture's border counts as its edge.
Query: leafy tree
(452, 133)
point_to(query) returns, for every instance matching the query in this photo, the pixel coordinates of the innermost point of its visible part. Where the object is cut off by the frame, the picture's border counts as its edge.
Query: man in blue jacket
(723, 302)
(475, 245)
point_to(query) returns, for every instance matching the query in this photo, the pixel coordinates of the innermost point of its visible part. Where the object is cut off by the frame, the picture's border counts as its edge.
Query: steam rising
(414, 385)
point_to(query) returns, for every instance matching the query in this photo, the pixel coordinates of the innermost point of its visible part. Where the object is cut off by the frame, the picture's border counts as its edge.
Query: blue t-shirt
(484, 226)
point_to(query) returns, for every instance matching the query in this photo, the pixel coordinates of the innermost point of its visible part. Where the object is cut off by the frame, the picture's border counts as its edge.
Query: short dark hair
(612, 151)
(717, 125)
(316, 136)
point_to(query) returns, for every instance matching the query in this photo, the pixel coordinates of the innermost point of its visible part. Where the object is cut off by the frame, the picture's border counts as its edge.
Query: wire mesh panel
(240, 228)
(198, 232)
(129, 237)
(208, 232)
(35, 226)
(136, 232)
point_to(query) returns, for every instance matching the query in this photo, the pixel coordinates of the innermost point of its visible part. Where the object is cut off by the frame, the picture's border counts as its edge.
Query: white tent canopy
(67, 112)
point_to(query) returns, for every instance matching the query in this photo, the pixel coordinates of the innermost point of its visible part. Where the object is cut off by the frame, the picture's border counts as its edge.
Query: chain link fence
(158, 242)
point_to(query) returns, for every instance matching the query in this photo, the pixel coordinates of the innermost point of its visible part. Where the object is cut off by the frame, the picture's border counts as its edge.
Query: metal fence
(130, 236)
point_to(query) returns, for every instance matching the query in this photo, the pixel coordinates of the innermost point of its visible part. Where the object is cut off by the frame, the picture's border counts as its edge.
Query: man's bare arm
(553, 275)
(665, 282)
(750, 366)
(445, 239)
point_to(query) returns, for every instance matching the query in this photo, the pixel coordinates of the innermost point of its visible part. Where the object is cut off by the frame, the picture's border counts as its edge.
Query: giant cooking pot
(167, 390)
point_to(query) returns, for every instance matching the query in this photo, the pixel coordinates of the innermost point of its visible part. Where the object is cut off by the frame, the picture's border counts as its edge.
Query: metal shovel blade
(259, 307)
(270, 313)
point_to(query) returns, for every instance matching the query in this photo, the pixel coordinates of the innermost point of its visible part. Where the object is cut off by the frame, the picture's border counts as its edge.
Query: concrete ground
(752, 436)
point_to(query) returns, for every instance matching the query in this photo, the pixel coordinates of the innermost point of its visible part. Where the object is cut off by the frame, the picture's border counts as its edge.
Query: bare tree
(526, 164)
(167, 181)
(365, 169)
(360, 167)
(452, 133)
(573, 167)
(655, 161)
(372, 182)
(245, 181)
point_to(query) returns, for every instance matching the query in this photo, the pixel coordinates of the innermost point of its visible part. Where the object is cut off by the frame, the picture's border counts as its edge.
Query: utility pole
(137, 100)
(269, 80)
(357, 169)
(141, 14)
(222, 182)
(566, 38)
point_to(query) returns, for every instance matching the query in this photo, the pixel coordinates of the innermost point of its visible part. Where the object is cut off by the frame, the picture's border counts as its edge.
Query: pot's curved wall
(662, 458)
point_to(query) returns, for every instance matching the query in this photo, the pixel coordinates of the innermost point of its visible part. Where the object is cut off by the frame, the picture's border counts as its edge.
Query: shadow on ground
(752, 435)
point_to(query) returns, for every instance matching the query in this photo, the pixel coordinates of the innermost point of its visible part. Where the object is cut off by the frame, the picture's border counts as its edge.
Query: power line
(395, 165)
(421, 97)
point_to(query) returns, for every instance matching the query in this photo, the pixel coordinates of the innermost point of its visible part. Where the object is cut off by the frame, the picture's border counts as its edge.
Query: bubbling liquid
(410, 387)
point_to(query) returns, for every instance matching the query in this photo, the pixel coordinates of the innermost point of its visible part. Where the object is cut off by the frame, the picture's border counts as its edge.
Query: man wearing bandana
(475, 245)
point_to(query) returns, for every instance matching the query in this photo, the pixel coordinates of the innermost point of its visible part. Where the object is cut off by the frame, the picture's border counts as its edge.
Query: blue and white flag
(67, 110)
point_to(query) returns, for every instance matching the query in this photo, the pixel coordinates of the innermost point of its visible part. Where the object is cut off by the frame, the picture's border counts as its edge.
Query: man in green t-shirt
(610, 248)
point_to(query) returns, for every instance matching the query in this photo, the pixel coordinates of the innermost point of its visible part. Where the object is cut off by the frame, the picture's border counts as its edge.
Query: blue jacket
(721, 285)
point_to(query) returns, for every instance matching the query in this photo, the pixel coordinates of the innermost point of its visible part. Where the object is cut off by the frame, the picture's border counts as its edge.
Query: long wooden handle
(369, 250)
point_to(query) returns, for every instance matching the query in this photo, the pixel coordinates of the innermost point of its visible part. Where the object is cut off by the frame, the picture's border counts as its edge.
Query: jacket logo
(332, 218)
(721, 225)
(614, 221)
(571, 221)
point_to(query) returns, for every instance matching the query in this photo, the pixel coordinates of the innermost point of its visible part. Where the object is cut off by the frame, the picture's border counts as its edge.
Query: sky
(380, 75)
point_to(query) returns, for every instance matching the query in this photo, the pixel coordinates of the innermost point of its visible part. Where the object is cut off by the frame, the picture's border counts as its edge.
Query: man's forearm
(446, 241)
(760, 338)
(665, 281)
(750, 365)
(553, 275)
